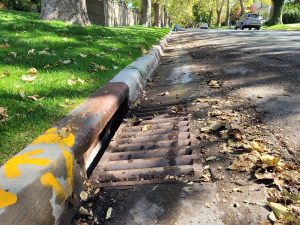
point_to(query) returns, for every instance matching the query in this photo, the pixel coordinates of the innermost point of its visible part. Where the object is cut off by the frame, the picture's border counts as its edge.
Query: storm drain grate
(154, 146)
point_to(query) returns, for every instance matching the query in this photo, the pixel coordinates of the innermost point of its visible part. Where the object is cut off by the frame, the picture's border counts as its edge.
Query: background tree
(146, 13)
(276, 12)
(157, 14)
(219, 8)
(71, 11)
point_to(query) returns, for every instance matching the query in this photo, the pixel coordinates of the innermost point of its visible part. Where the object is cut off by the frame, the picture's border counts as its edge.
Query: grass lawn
(292, 26)
(48, 68)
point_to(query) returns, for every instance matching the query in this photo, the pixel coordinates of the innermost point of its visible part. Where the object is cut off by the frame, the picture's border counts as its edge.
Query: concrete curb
(139, 72)
(42, 183)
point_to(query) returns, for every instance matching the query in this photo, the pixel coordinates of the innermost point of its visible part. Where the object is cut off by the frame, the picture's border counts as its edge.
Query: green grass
(292, 26)
(107, 51)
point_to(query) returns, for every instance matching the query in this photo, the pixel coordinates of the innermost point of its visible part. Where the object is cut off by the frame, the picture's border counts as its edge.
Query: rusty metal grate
(155, 146)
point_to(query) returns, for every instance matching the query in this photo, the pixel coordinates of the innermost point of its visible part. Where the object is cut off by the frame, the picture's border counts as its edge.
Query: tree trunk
(166, 18)
(156, 14)
(228, 14)
(210, 17)
(242, 7)
(71, 11)
(218, 24)
(276, 14)
(146, 13)
(219, 7)
(162, 16)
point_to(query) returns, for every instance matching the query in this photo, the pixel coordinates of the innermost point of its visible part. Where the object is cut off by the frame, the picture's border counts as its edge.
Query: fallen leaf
(83, 211)
(265, 223)
(28, 78)
(82, 55)
(270, 160)
(5, 45)
(147, 127)
(13, 54)
(164, 94)
(71, 82)
(44, 52)
(80, 81)
(108, 213)
(22, 94)
(214, 84)
(84, 196)
(34, 97)
(207, 205)
(32, 71)
(210, 158)
(279, 210)
(66, 62)
(257, 146)
(5, 73)
(260, 174)
(3, 114)
(31, 52)
(245, 162)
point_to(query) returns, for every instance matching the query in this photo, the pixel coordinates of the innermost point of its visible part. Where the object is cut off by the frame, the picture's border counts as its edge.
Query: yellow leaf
(34, 97)
(280, 210)
(71, 82)
(258, 146)
(32, 71)
(28, 78)
(270, 160)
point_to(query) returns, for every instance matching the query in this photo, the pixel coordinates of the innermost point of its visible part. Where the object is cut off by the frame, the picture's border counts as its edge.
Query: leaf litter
(257, 157)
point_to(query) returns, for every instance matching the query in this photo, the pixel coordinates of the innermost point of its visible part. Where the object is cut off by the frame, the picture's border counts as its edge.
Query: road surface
(259, 77)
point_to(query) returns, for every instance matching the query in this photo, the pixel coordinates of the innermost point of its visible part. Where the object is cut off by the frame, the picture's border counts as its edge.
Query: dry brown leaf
(32, 71)
(257, 146)
(3, 114)
(164, 94)
(5, 45)
(13, 54)
(214, 84)
(279, 210)
(270, 160)
(28, 78)
(245, 162)
(71, 82)
(80, 80)
(146, 127)
(22, 94)
(34, 97)
(261, 174)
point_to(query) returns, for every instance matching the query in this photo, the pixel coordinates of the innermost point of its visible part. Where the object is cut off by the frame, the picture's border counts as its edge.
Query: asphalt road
(260, 76)
(263, 66)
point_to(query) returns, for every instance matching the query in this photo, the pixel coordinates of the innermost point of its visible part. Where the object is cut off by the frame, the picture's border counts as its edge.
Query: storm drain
(153, 146)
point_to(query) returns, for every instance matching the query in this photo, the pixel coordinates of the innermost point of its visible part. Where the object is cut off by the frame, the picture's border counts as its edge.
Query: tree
(71, 11)
(146, 13)
(219, 8)
(276, 12)
(157, 14)
(242, 7)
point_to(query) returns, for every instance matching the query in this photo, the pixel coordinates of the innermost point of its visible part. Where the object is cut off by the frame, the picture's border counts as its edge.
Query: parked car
(249, 20)
(204, 26)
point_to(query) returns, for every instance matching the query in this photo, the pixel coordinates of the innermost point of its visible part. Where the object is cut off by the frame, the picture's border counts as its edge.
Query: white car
(204, 26)
(249, 20)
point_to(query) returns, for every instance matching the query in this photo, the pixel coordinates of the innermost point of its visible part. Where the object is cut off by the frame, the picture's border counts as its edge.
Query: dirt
(240, 91)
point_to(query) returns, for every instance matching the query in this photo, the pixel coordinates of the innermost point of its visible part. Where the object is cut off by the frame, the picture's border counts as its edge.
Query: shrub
(23, 5)
(291, 13)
